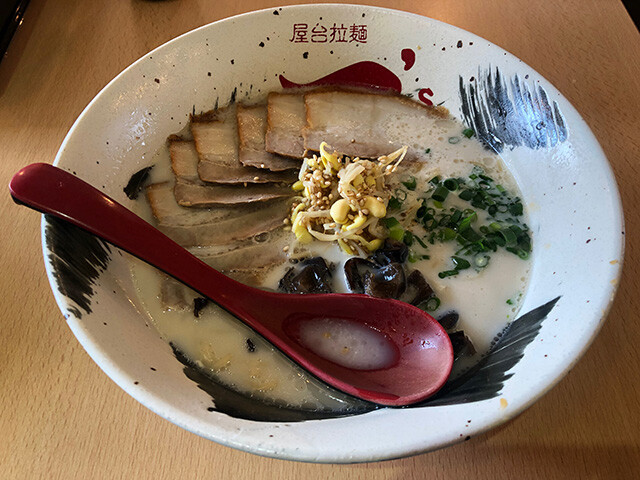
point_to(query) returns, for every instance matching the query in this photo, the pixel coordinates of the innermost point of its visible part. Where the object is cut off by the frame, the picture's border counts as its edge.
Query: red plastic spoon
(414, 358)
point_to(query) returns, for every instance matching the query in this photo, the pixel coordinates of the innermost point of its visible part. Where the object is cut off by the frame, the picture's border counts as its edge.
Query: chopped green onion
(471, 235)
(413, 258)
(466, 195)
(431, 304)
(516, 209)
(397, 233)
(499, 240)
(509, 237)
(468, 211)
(390, 222)
(468, 132)
(466, 221)
(428, 150)
(437, 204)
(509, 302)
(448, 234)
(407, 238)
(394, 204)
(481, 261)
(435, 180)
(419, 240)
(429, 223)
(460, 263)
(448, 273)
(400, 194)
(411, 183)
(444, 220)
(440, 194)
(455, 218)
(516, 230)
(451, 184)
(525, 243)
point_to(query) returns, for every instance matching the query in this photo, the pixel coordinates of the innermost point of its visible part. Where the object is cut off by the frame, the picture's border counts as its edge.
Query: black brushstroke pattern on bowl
(78, 259)
(510, 112)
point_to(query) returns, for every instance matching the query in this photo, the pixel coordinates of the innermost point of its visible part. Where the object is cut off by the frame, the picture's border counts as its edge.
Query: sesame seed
(255, 179)
(285, 248)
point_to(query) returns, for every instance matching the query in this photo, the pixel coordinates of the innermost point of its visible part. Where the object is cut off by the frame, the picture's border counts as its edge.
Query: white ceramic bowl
(564, 176)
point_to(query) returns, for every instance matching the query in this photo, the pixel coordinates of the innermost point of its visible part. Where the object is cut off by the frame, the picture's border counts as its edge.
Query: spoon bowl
(383, 351)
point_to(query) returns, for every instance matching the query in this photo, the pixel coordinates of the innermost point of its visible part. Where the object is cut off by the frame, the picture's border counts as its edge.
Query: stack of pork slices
(234, 170)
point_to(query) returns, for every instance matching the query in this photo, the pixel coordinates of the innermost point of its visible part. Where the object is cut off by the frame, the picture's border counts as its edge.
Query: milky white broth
(217, 342)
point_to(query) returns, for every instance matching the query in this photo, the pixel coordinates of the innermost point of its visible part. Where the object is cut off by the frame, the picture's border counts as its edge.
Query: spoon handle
(52, 190)
(421, 358)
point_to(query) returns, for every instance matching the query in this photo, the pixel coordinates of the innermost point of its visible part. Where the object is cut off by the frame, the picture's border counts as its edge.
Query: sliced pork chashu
(286, 118)
(243, 256)
(213, 226)
(191, 195)
(184, 159)
(167, 211)
(177, 296)
(216, 141)
(191, 191)
(252, 128)
(369, 125)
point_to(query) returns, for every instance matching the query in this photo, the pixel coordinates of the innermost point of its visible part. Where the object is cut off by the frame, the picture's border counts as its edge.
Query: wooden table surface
(61, 417)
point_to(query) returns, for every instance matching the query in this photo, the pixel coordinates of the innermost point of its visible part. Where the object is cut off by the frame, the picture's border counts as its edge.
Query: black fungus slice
(136, 182)
(449, 320)
(461, 344)
(312, 275)
(388, 281)
(418, 289)
(392, 251)
(198, 304)
(354, 269)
